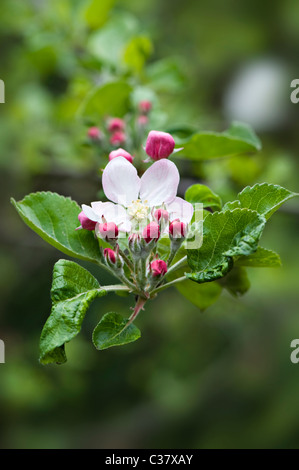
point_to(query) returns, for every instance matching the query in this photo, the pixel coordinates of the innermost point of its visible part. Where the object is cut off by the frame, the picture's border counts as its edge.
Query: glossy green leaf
(262, 258)
(110, 99)
(238, 139)
(73, 290)
(225, 234)
(55, 218)
(112, 330)
(264, 198)
(199, 193)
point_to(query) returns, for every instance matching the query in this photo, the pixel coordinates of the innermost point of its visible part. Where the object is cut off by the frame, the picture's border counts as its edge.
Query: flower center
(138, 210)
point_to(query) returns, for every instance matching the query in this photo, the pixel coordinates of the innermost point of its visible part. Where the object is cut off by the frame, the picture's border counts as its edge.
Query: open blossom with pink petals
(134, 199)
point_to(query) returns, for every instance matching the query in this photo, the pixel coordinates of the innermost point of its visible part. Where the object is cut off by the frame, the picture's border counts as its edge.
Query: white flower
(133, 198)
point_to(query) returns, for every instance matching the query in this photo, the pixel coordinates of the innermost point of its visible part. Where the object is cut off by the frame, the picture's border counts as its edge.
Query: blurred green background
(221, 378)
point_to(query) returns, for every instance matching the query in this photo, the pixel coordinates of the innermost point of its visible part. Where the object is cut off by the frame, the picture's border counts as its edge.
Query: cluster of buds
(141, 211)
(116, 134)
(145, 268)
(116, 128)
(144, 109)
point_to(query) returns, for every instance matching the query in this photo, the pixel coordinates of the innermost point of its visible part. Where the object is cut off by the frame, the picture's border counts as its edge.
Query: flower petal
(120, 181)
(113, 213)
(160, 183)
(180, 209)
(90, 213)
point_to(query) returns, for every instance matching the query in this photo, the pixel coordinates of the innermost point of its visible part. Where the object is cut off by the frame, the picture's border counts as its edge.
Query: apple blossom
(134, 199)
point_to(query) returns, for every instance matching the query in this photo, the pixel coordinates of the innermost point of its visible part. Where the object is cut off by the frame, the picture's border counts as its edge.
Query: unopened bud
(178, 229)
(134, 243)
(94, 133)
(121, 153)
(113, 259)
(142, 121)
(85, 222)
(118, 138)
(158, 267)
(107, 231)
(116, 124)
(110, 255)
(161, 215)
(159, 145)
(145, 106)
(151, 232)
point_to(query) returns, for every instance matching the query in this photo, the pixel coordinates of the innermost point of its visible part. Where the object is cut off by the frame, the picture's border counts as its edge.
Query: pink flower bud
(118, 138)
(158, 267)
(94, 133)
(178, 229)
(145, 106)
(121, 153)
(161, 215)
(116, 124)
(159, 145)
(107, 231)
(85, 222)
(142, 121)
(110, 254)
(151, 232)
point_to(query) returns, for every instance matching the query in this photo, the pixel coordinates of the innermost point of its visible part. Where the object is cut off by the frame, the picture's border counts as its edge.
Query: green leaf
(137, 52)
(73, 290)
(243, 131)
(264, 198)
(225, 234)
(236, 281)
(112, 330)
(55, 218)
(201, 295)
(199, 193)
(262, 258)
(112, 99)
(165, 75)
(108, 43)
(238, 139)
(97, 12)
